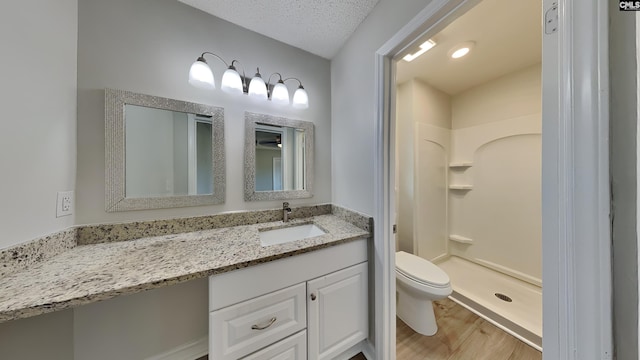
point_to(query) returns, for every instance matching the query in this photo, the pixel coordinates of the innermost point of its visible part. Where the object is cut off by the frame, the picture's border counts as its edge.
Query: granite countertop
(90, 273)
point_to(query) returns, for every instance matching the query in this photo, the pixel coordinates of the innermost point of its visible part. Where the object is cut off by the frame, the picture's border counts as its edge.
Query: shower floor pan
(475, 287)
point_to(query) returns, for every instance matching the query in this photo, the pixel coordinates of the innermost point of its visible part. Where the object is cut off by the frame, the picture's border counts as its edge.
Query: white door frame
(577, 322)
(638, 147)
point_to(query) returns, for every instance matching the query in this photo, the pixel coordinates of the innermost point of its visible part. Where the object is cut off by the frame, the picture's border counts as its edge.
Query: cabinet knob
(313, 297)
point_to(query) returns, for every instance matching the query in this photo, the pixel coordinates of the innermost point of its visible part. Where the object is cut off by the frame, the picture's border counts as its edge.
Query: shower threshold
(487, 292)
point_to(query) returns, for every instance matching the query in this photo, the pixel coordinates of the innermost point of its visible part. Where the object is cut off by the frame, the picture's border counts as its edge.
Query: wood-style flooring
(462, 335)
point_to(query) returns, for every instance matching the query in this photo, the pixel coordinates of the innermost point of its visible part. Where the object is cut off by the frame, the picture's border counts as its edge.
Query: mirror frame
(250, 193)
(115, 192)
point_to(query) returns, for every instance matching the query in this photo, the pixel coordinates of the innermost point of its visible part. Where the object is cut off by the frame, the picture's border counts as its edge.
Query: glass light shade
(300, 98)
(231, 82)
(200, 75)
(280, 94)
(257, 88)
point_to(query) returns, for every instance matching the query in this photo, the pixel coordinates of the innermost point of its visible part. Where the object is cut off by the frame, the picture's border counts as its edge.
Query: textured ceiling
(508, 37)
(320, 27)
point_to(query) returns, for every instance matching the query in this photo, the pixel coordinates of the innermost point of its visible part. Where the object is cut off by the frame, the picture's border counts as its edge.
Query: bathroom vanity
(291, 308)
(307, 296)
(283, 283)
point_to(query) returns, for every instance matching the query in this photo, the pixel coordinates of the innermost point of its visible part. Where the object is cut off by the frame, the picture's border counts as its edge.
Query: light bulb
(200, 75)
(461, 49)
(231, 82)
(460, 53)
(426, 46)
(257, 88)
(300, 98)
(280, 94)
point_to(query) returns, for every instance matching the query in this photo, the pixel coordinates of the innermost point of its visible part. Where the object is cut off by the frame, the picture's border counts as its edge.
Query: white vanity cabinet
(309, 306)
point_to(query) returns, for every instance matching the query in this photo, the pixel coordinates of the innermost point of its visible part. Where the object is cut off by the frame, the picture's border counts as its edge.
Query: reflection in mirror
(167, 153)
(162, 152)
(278, 158)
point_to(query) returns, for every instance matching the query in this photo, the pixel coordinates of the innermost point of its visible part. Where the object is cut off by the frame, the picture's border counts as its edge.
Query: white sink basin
(288, 234)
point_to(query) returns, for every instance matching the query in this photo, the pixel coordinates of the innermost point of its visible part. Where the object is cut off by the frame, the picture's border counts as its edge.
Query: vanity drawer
(241, 329)
(292, 348)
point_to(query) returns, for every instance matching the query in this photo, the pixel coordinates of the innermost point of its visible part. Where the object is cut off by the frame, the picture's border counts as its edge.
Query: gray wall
(147, 46)
(353, 103)
(47, 336)
(37, 149)
(623, 127)
(142, 325)
(38, 121)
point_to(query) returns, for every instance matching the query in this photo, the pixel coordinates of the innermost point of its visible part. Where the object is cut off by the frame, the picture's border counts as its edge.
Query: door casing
(575, 181)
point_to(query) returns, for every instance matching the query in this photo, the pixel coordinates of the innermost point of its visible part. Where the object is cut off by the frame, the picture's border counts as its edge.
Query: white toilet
(418, 283)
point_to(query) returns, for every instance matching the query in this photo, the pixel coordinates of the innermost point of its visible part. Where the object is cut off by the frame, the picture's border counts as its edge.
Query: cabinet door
(337, 312)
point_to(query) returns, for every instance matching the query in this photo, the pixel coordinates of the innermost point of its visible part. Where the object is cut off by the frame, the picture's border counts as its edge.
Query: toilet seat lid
(421, 270)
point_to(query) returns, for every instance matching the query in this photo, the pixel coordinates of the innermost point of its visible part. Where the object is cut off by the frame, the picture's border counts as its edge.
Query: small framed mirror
(162, 153)
(278, 161)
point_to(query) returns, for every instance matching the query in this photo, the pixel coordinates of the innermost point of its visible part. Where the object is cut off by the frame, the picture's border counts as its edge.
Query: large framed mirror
(278, 161)
(162, 153)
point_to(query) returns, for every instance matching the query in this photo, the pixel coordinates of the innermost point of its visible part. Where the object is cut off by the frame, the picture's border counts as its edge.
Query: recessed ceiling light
(426, 46)
(461, 50)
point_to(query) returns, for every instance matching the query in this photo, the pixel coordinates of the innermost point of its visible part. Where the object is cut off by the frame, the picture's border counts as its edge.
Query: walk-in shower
(475, 194)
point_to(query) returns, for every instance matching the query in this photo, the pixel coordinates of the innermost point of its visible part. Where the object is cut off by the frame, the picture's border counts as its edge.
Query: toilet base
(417, 313)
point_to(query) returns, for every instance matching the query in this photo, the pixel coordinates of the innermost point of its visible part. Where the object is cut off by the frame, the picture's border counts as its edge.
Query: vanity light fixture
(461, 49)
(200, 75)
(426, 46)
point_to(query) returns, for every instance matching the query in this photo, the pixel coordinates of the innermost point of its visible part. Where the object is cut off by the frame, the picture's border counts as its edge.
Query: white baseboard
(352, 351)
(190, 351)
(368, 350)
(200, 347)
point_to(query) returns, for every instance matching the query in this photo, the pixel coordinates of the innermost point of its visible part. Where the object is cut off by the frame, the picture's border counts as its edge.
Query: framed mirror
(278, 160)
(162, 153)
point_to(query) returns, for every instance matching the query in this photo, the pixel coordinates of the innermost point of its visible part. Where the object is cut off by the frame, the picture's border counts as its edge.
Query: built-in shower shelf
(460, 165)
(460, 239)
(461, 187)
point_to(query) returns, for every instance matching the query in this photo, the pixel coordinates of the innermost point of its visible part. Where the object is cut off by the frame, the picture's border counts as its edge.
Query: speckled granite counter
(90, 273)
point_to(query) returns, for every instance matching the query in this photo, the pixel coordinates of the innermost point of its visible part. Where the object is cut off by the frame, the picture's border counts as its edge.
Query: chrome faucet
(286, 211)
